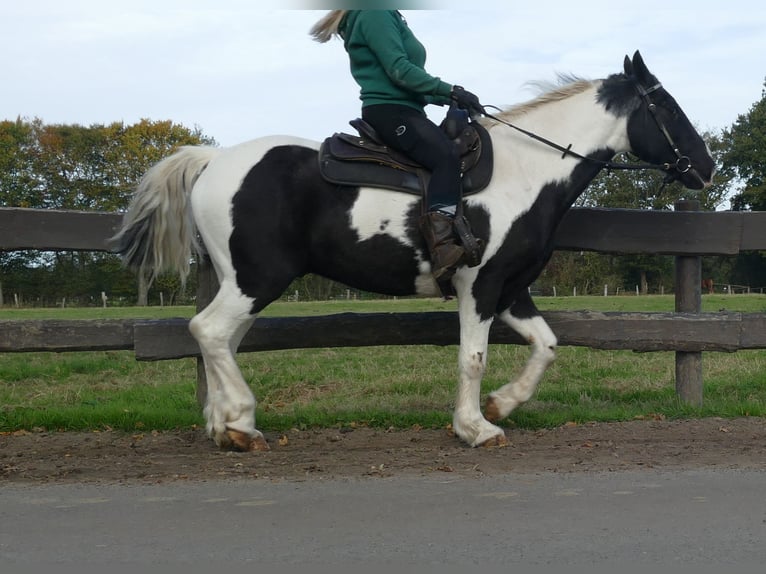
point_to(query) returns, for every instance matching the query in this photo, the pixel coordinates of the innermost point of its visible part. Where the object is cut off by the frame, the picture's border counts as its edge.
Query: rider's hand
(467, 100)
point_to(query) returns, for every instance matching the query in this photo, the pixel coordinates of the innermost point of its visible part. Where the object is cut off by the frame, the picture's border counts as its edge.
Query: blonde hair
(327, 27)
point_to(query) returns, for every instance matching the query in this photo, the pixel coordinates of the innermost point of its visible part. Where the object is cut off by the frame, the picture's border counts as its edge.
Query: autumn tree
(93, 168)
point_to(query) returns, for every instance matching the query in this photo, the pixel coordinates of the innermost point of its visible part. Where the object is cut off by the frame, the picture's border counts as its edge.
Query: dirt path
(362, 452)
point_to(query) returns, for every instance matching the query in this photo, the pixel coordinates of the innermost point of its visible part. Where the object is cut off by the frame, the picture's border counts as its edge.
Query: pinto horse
(266, 216)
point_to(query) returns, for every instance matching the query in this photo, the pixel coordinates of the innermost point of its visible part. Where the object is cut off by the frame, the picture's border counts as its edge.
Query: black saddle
(364, 159)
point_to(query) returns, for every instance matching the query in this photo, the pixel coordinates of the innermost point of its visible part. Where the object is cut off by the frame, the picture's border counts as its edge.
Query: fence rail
(624, 231)
(686, 233)
(161, 339)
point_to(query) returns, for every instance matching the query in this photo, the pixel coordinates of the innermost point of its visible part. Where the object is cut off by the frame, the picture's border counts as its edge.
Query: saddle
(363, 159)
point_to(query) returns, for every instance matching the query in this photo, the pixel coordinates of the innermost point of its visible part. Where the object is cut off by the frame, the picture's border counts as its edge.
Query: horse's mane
(564, 87)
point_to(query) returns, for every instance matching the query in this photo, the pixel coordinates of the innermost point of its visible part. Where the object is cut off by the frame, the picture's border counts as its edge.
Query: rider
(387, 61)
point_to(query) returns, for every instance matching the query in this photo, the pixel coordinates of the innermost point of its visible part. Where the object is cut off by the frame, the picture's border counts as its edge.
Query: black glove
(466, 100)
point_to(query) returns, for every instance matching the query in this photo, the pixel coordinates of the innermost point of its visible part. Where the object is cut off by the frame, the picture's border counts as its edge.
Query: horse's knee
(199, 329)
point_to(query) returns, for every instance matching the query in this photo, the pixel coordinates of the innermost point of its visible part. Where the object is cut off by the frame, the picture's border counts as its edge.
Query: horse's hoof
(243, 442)
(258, 442)
(497, 441)
(491, 410)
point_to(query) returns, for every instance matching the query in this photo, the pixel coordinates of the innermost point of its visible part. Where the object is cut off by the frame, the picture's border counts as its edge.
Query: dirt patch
(362, 452)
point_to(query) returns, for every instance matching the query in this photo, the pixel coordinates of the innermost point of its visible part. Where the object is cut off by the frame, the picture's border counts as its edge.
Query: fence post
(688, 300)
(207, 287)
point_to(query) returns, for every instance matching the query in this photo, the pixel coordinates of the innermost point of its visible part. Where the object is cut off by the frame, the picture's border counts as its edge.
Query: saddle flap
(347, 147)
(365, 171)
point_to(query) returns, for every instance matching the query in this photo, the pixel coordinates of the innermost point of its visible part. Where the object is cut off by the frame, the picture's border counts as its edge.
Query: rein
(567, 151)
(682, 164)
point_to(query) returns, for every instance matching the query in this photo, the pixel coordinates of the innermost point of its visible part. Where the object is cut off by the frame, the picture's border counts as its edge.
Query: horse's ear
(628, 66)
(641, 71)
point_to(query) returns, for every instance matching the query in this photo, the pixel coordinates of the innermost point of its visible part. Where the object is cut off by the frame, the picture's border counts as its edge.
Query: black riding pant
(409, 131)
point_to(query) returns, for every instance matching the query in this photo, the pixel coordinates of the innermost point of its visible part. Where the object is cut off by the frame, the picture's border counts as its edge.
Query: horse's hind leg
(525, 319)
(230, 405)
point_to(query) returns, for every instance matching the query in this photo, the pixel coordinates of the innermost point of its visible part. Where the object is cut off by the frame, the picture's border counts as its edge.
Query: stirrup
(474, 247)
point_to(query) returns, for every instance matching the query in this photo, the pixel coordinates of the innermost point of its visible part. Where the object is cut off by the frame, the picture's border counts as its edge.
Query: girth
(363, 159)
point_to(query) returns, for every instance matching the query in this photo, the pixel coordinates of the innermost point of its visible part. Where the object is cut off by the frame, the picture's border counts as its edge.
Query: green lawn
(384, 386)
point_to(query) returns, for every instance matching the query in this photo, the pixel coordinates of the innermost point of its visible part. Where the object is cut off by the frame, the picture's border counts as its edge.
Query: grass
(381, 386)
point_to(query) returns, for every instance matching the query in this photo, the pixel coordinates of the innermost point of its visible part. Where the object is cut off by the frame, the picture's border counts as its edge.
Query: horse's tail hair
(158, 232)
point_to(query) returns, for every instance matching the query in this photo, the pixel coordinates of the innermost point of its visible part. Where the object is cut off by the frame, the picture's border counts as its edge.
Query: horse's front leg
(525, 319)
(468, 422)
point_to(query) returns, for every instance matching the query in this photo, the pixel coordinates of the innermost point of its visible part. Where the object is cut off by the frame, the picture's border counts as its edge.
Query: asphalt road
(674, 518)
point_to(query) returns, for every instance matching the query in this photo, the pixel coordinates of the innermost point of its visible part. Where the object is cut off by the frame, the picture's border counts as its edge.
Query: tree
(746, 158)
(641, 189)
(644, 189)
(18, 182)
(93, 168)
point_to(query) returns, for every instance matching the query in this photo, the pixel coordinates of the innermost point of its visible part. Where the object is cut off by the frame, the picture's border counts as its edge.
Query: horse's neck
(579, 121)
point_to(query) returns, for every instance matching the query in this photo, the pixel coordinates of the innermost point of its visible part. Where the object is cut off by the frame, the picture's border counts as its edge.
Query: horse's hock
(686, 233)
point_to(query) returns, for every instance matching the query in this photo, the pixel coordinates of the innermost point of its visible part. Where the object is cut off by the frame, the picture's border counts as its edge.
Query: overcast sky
(240, 69)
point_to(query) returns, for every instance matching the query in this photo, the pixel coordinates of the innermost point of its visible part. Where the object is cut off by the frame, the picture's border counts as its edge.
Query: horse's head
(659, 131)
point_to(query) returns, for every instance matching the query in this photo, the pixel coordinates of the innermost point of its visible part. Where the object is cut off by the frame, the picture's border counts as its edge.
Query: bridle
(672, 170)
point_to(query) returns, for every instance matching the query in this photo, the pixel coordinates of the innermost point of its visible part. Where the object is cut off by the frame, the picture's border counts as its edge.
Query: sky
(240, 69)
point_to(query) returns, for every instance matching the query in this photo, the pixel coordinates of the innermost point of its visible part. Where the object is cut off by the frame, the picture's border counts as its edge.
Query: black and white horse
(266, 216)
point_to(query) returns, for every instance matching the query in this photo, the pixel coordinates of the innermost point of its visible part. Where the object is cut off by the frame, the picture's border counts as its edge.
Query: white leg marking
(468, 422)
(543, 342)
(219, 329)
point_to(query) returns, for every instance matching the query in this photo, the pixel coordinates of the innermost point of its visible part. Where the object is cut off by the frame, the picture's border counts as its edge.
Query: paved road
(638, 518)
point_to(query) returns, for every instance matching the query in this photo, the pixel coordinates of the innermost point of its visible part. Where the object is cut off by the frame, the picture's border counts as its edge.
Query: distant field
(755, 303)
(386, 386)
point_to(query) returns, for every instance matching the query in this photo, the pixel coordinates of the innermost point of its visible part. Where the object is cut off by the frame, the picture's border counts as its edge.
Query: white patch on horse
(379, 211)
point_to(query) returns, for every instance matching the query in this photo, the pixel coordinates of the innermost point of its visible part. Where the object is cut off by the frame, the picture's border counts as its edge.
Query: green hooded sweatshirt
(387, 61)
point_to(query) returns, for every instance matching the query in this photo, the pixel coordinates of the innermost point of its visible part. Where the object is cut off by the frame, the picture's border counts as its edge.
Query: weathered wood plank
(57, 335)
(51, 229)
(661, 232)
(753, 331)
(587, 229)
(168, 339)
(650, 331)
(753, 231)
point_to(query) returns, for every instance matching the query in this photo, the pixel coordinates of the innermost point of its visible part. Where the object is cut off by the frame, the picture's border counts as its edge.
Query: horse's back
(237, 160)
(225, 175)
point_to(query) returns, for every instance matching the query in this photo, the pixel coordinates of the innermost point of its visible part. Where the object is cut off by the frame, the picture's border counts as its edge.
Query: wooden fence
(686, 233)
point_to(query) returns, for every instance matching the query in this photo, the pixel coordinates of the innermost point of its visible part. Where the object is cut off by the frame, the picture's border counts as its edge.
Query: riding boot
(446, 254)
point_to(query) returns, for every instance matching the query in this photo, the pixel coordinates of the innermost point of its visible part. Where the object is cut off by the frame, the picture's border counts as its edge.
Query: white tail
(158, 231)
